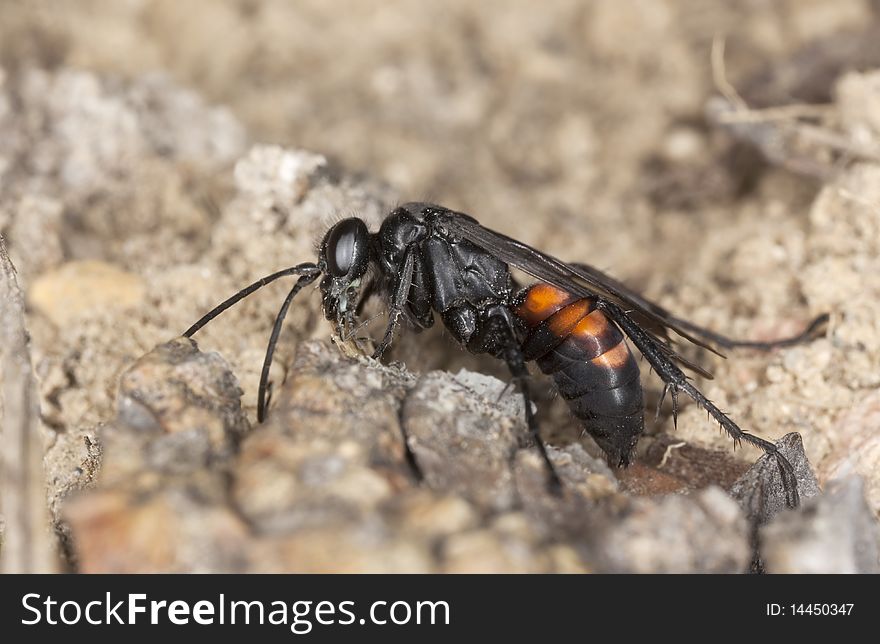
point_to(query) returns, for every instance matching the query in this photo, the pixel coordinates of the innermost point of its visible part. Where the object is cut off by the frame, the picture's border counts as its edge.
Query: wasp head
(344, 257)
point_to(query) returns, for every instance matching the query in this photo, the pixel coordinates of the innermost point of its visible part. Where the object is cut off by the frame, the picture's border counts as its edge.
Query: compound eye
(346, 246)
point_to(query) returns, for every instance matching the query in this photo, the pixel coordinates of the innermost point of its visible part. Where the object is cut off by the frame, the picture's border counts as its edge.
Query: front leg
(398, 299)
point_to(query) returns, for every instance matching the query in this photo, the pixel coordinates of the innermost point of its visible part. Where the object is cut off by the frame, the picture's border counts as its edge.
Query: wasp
(575, 321)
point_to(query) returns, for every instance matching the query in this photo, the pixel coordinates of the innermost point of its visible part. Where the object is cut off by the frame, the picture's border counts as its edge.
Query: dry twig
(783, 133)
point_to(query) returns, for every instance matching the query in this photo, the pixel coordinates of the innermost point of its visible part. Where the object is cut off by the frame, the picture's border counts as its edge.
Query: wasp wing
(707, 335)
(578, 279)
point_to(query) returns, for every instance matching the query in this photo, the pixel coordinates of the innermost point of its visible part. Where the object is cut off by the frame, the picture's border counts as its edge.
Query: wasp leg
(676, 380)
(398, 300)
(366, 293)
(497, 336)
(667, 389)
(516, 363)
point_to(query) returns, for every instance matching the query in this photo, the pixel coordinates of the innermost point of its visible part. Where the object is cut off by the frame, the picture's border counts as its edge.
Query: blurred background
(556, 121)
(157, 155)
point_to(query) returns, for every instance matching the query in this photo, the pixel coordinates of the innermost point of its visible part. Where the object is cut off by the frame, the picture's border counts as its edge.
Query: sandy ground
(134, 194)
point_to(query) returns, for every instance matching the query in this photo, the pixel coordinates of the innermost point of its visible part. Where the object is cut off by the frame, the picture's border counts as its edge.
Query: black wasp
(427, 259)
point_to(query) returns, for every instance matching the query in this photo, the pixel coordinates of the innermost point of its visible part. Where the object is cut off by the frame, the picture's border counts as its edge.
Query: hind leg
(675, 380)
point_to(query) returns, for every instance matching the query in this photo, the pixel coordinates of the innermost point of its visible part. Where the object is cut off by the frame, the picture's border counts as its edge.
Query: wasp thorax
(346, 248)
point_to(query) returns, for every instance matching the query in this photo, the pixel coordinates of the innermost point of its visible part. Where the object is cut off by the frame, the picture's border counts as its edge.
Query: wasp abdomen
(590, 363)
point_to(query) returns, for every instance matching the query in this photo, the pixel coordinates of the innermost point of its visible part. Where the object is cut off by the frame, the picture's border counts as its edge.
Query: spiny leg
(676, 380)
(673, 392)
(300, 269)
(398, 300)
(262, 399)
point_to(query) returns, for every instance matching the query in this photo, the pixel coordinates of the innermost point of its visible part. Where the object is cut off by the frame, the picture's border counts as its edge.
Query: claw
(660, 403)
(673, 390)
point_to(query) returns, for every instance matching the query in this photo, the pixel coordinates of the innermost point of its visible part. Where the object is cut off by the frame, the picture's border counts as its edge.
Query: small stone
(760, 491)
(460, 444)
(176, 389)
